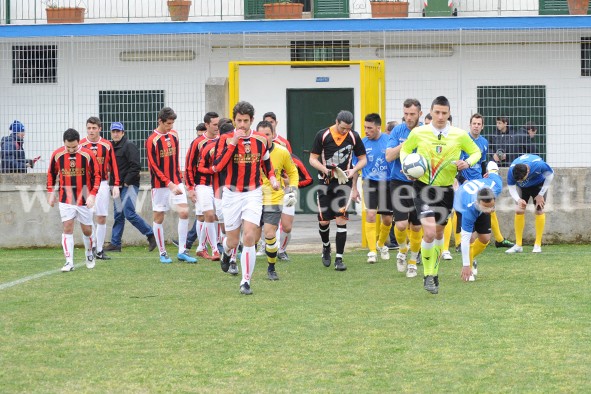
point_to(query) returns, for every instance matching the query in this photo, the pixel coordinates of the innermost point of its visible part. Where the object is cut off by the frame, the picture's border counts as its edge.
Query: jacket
(13, 154)
(127, 156)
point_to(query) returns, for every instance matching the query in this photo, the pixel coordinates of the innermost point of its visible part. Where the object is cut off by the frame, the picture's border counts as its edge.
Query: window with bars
(34, 64)
(586, 56)
(320, 50)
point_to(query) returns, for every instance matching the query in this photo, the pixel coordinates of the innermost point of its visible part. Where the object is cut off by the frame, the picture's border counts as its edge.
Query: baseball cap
(117, 126)
(17, 127)
(492, 167)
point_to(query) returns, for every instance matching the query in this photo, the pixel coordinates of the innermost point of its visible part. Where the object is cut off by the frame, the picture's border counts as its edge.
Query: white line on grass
(7, 285)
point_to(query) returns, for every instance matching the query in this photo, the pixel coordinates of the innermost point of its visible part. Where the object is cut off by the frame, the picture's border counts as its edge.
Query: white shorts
(205, 200)
(163, 199)
(289, 210)
(218, 209)
(103, 197)
(82, 213)
(238, 206)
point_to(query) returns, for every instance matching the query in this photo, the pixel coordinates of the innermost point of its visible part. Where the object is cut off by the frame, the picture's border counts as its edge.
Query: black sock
(341, 238)
(324, 233)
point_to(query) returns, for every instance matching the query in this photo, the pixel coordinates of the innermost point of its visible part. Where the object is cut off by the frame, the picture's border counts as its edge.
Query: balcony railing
(98, 11)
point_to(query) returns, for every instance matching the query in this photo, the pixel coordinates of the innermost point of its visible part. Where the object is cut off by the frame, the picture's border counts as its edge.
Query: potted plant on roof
(578, 7)
(389, 8)
(64, 11)
(283, 9)
(179, 9)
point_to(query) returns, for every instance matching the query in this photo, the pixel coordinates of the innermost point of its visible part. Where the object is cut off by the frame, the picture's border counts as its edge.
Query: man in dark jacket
(128, 161)
(13, 153)
(502, 143)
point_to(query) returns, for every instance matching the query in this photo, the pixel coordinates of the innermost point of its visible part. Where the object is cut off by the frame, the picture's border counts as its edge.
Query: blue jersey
(537, 169)
(398, 135)
(377, 168)
(465, 198)
(475, 172)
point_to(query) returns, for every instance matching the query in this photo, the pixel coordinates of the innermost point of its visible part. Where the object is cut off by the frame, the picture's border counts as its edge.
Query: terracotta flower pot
(65, 15)
(283, 10)
(389, 9)
(179, 9)
(578, 7)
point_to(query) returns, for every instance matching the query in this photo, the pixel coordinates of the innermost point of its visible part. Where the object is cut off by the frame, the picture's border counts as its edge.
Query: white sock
(211, 235)
(101, 232)
(226, 248)
(183, 228)
(247, 262)
(159, 234)
(93, 235)
(68, 246)
(284, 239)
(88, 244)
(200, 231)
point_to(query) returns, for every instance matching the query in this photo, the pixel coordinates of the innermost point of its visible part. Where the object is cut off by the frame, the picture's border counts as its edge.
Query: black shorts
(481, 226)
(332, 200)
(271, 214)
(433, 201)
(403, 205)
(377, 196)
(530, 192)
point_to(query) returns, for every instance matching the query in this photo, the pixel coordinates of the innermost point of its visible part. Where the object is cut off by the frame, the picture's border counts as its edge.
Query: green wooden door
(437, 8)
(308, 111)
(331, 8)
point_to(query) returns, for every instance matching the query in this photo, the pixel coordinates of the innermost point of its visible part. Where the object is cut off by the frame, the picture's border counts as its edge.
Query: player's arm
(204, 163)
(393, 148)
(153, 165)
(472, 150)
(191, 165)
(548, 178)
(465, 245)
(269, 170)
(304, 177)
(360, 153)
(315, 162)
(292, 172)
(113, 165)
(52, 173)
(408, 146)
(223, 152)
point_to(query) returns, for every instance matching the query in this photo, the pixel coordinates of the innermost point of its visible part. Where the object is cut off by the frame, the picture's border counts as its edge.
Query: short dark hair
(520, 172)
(166, 113)
(243, 108)
(201, 127)
(531, 126)
(410, 102)
(477, 116)
(391, 125)
(503, 119)
(270, 115)
(71, 135)
(440, 100)
(345, 116)
(226, 127)
(485, 195)
(94, 120)
(428, 116)
(374, 118)
(209, 116)
(265, 123)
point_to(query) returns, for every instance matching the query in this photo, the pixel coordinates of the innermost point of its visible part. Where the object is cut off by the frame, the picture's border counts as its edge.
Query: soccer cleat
(514, 249)
(225, 262)
(152, 243)
(233, 270)
(392, 245)
(338, 264)
(504, 244)
(537, 249)
(215, 256)
(436, 280)
(384, 252)
(372, 257)
(419, 258)
(474, 268)
(472, 278)
(101, 255)
(112, 248)
(261, 249)
(411, 271)
(220, 248)
(429, 284)
(164, 259)
(401, 262)
(175, 242)
(282, 256)
(446, 255)
(68, 267)
(272, 275)
(203, 254)
(186, 258)
(459, 249)
(90, 262)
(245, 289)
(326, 258)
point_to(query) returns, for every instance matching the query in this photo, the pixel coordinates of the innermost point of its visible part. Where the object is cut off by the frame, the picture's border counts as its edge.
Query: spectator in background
(428, 118)
(127, 156)
(13, 153)
(390, 126)
(525, 140)
(501, 143)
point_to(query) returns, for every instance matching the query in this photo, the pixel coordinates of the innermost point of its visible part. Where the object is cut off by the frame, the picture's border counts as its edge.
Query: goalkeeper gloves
(290, 199)
(341, 176)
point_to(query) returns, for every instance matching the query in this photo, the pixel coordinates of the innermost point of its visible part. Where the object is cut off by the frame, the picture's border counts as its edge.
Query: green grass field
(135, 325)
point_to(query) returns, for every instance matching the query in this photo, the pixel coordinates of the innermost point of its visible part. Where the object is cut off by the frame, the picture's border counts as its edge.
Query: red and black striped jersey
(206, 161)
(78, 175)
(283, 142)
(193, 176)
(163, 158)
(105, 155)
(241, 164)
(304, 174)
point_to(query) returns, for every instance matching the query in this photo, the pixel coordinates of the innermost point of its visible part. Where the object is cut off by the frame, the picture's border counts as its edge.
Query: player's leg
(129, 211)
(84, 217)
(271, 219)
(385, 225)
(370, 198)
(160, 205)
(500, 240)
(540, 223)
(252, 210)
(325, 215)
(101, 209)
(68, 214)
(342, 201)
(519, 224)
(287, 219)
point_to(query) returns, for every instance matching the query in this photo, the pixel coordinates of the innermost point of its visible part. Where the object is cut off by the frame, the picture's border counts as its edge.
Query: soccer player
(105, 155)
(407, 225)
(474, 202)
(200, 187)
(441, 145)
(240, 156)
(331, 154)
(77, 171)
(376, 187)
(529, 177)
(274, 200)
(162, 149)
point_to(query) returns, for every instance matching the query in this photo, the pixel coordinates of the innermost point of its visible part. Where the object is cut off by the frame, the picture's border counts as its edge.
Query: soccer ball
(414, 165)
